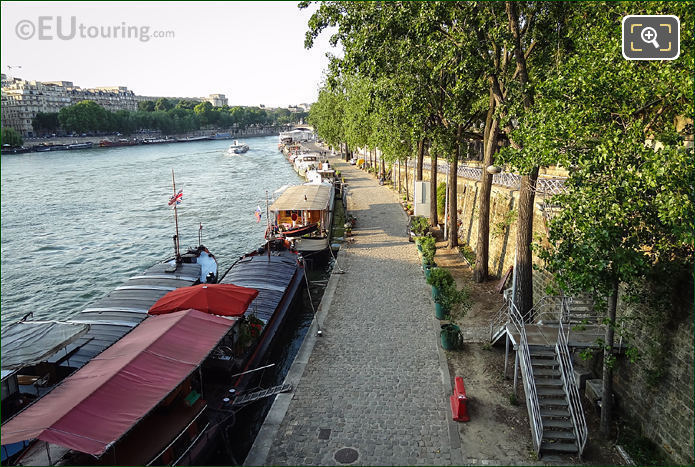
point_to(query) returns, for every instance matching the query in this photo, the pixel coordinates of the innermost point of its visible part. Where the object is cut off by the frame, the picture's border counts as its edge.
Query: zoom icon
(651, 37)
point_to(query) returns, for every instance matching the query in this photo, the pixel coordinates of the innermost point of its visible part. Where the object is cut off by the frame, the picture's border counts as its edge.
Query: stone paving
(374, 381)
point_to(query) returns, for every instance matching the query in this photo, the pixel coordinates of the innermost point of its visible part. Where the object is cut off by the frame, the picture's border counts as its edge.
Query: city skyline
(250, 51)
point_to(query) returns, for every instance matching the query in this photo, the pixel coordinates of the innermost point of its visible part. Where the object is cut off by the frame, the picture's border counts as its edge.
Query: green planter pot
(451, 337)
(427, 268)
(440, 312)
(435, 292)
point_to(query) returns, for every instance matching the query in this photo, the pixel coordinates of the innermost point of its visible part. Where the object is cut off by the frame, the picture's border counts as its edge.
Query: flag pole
(267, 220)
(176, 221)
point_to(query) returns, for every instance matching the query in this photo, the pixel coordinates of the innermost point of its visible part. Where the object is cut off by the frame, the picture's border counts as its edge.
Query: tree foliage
(11, 137)
(547, 82)
(167, 115)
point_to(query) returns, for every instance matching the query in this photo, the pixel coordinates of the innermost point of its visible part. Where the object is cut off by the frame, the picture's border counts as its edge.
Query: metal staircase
(555, 413)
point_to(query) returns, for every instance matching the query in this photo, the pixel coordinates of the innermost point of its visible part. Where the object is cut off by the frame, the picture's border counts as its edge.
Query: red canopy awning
(216, 299)
(96, 406)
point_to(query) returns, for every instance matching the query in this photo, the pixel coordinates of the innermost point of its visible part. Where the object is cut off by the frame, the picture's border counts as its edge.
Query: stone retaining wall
(664, 412)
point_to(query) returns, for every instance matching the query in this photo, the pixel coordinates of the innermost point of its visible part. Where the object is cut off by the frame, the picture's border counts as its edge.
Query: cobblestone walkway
(373, 382)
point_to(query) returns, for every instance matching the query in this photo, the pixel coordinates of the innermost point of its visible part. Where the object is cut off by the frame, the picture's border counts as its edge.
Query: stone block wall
(665, 411)
(503, 214)
(657, 390)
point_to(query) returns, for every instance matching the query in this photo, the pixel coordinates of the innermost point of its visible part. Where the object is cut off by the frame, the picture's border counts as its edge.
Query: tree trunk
(399, 176)
(407, 195)
(453, 193)
(524, 234)
(420, 158)
(607, 397)
(383, 168)
(483, 244)
(434, 216)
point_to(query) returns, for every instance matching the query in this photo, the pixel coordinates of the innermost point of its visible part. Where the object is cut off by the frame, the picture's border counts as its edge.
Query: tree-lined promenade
(538, 84)
(170, 116)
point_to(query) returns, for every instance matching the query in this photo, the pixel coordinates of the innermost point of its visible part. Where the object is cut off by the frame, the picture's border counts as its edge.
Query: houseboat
(172, 381)
(307, 206)
(85, 145)
(141, 402)
(304, 162)
(105, 143)
(57, 351)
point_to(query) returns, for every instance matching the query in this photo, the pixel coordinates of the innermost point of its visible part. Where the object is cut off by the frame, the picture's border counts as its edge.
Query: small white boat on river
(238, 148)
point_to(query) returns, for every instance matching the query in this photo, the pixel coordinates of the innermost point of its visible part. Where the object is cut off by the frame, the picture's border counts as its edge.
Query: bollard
(459, 401)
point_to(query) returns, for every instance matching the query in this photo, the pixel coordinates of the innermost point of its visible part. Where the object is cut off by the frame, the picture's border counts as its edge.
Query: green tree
(11, 137)
(326, 116)
(45, 122)
(204, 112)
(628, 208)
(163, 104)
(146, 106)
(83, 117)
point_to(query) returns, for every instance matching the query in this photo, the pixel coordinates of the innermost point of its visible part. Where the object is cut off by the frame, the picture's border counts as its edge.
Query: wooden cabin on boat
(304, 205)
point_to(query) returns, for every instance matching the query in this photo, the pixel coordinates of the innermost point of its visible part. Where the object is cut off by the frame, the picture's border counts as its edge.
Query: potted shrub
(439, 278)
(429, 249)
(451, 301)
(417, 227)
(451, 337)
(418, 244)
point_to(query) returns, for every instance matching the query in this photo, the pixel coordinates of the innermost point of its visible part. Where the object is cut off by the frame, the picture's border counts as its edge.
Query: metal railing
(570, 385)
(532, 403)
(181, 433)
(500, 319)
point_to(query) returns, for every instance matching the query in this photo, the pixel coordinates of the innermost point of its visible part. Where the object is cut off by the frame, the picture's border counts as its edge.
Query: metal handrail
(570, 386)
(532, 403)
(179, 435)
(501, 318)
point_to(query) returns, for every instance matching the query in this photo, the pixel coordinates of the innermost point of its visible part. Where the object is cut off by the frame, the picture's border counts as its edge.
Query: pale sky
(251, 51)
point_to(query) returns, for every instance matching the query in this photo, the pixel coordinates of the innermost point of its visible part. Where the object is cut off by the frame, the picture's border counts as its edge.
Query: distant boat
(238, 148)
(222, 136)
(86, 145)
(189, 139)
(7, 149)
(105, 143)
(158, 140)
(305, 162)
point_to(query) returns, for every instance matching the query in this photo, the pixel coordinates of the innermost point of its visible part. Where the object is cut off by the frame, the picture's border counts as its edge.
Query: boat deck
(271, 277)
(114, 315)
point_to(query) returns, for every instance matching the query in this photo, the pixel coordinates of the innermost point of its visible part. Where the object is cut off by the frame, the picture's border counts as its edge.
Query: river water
(76, 224)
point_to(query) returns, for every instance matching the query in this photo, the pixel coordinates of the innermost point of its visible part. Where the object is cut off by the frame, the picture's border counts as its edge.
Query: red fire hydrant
(459, 401)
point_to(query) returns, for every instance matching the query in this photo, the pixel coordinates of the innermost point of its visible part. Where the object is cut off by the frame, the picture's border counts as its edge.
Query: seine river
(76, 224)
